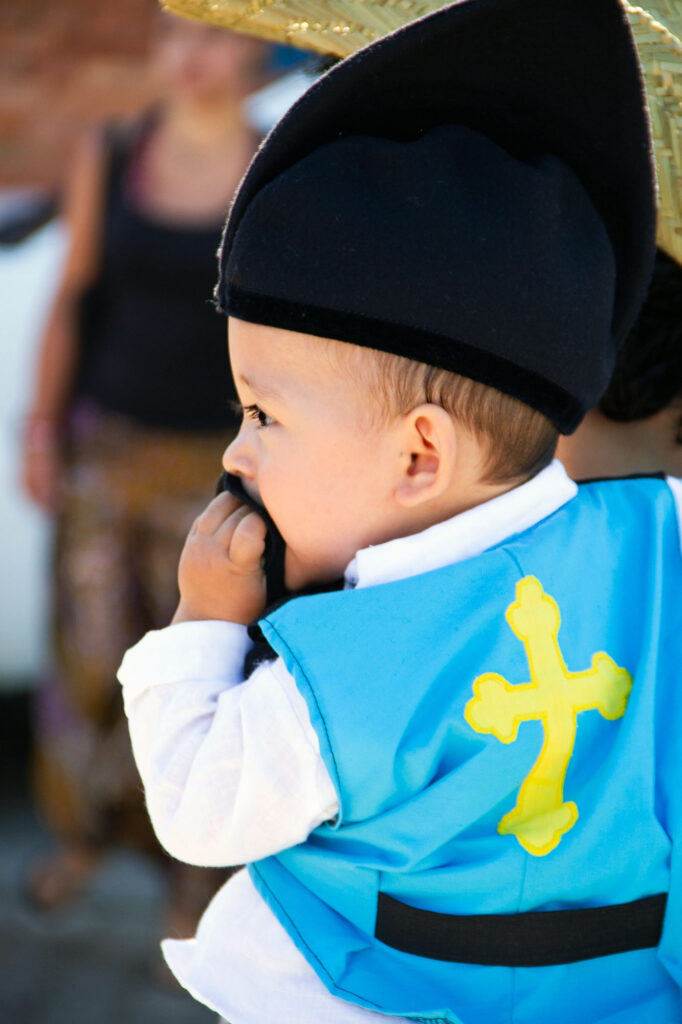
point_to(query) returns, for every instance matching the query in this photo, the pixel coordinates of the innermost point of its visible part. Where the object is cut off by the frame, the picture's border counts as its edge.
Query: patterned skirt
(131, 494)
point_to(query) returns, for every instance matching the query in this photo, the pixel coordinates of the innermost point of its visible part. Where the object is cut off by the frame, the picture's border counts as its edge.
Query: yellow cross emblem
(554, 697)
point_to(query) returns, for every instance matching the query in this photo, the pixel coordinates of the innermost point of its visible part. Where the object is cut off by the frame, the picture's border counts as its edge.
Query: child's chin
(298, 577)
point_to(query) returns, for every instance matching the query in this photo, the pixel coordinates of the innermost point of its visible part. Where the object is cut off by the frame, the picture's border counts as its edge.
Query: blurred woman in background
(129, 416)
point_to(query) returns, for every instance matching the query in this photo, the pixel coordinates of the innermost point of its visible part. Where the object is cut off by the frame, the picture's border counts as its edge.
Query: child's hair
(648, 374)
(520, 441)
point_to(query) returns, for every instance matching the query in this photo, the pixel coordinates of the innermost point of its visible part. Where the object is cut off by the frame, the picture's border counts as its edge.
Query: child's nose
(238, 459)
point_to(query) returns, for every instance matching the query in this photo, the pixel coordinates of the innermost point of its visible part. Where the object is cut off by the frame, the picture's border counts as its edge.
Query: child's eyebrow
(259, 387)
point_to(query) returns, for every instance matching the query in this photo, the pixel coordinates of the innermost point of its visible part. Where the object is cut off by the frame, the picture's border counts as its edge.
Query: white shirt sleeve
(675, 486)
(232, 769)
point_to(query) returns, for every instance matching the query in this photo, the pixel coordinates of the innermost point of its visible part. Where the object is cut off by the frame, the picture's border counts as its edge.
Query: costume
(239, 943)
(427, 807)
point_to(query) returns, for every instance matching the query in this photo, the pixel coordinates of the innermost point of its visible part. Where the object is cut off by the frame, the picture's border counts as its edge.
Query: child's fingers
(225, 531)
(248, 541)
(216, 513)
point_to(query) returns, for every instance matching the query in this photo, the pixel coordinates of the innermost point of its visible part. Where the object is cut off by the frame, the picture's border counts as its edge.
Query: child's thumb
(248, 542)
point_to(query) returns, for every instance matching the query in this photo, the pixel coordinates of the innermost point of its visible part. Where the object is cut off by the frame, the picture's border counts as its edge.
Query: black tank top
(152, 345)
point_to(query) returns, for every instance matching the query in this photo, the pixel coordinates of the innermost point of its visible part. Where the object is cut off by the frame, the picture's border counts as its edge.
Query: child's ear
(428, 456)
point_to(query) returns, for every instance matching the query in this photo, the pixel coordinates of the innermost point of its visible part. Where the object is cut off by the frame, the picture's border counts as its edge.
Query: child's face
(310, 449)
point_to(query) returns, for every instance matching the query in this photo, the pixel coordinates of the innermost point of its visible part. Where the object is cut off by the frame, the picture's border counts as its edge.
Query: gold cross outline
(554, 697)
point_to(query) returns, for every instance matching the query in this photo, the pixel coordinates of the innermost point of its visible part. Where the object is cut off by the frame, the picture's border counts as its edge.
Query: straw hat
(340, 27)
(658, 34)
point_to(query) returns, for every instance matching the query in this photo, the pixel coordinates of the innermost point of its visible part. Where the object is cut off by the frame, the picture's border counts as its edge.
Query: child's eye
(254, 412)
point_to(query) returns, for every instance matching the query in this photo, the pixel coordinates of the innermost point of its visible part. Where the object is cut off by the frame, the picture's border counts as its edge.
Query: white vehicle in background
(29, 271)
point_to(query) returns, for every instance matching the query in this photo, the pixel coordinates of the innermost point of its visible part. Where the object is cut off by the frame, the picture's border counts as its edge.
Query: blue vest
(505, 736)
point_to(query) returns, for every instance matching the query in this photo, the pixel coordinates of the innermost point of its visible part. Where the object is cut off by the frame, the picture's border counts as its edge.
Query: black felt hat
(474, 191)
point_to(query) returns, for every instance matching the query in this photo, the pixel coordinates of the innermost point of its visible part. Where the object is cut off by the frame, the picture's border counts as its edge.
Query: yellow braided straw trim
(339, 27)
(660, 51)
(666, 13)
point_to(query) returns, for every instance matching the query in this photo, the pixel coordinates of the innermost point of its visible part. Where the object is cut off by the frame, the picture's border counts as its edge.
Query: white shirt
(232, 769)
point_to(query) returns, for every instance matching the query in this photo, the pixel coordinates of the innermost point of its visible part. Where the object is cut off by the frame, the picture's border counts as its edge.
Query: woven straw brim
(657, 32)
(333, 27)
(340, 27)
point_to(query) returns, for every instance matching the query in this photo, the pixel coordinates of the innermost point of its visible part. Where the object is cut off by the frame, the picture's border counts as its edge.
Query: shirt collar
(465, 535)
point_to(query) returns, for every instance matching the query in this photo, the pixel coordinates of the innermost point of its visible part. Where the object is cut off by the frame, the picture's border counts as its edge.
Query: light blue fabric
(388, 672)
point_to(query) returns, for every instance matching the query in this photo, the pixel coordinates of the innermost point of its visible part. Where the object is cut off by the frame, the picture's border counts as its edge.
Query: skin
(201, 63)
(334, 475)
(601, 447)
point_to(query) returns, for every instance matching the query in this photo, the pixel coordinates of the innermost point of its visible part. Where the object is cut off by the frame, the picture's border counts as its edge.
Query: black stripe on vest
(536, 939)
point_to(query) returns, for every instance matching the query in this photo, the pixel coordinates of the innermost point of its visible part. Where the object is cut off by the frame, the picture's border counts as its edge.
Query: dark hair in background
(648, 374)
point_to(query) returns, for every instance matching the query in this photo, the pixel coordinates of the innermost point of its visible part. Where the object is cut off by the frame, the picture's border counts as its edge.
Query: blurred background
(83, 913)
(65, 65)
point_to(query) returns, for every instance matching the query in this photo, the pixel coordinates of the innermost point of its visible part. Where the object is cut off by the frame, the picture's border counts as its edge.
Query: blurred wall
(65, 64)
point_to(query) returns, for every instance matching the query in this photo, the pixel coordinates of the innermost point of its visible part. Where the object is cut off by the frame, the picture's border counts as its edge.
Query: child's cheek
(294, 575)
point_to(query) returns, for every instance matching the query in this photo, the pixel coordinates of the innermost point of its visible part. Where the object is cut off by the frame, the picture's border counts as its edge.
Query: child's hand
(220, 574)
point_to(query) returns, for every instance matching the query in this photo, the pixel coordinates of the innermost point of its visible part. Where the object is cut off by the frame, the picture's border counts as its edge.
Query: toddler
(454, 776)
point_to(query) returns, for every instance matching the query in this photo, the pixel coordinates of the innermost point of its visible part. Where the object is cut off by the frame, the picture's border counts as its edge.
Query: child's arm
(58, 354)
(232, 770)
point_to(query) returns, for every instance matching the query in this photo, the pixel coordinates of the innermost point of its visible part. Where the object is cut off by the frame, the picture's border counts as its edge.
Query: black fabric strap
(549, 398)
(261, 651)
(536, 939)
(658, 475)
